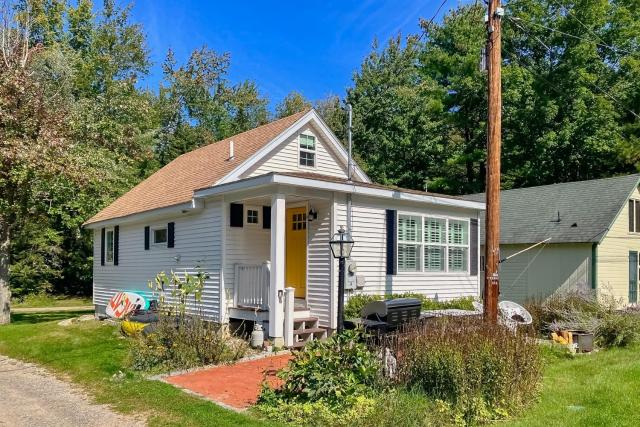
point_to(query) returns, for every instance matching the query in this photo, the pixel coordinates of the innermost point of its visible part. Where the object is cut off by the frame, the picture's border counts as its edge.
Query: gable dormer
(305, 151)
(308, 146)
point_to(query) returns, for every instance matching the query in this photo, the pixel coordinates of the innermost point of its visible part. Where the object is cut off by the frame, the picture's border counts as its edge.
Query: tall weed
(483, 371)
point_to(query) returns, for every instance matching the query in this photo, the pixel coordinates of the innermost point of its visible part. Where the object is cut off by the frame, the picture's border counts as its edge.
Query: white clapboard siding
(285, 158)
(247, 245)
(197, 244)
(369, 251)
(319, 263)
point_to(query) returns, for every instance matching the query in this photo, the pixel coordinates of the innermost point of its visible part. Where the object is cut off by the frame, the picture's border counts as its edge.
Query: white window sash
(423, 245)
(109, 248)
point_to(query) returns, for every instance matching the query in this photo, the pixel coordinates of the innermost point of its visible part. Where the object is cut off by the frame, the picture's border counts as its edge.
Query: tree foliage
(77, 129)
(570, 97)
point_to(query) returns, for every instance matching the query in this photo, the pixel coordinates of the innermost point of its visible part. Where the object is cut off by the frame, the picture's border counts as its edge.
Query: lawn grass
(599, 389)
(46, 300)
(591, 390)
(92, 354)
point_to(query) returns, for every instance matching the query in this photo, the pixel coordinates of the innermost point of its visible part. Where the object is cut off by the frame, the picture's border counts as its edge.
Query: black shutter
(171, 234)
(236, 213)
(266, 217)
(473, 236)
(102, 237)
(392, 228)
(147, 229)
(116, 243)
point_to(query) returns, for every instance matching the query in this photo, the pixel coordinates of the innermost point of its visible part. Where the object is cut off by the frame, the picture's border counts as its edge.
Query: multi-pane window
(435, 239)
(109, 245)
(409, 242)
(634, 216)
(432, 244)
(458, 245)
(299, 221)
(252, 216)
(307, 150)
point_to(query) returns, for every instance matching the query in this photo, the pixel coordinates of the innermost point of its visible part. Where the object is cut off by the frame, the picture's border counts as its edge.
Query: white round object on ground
(512, 312)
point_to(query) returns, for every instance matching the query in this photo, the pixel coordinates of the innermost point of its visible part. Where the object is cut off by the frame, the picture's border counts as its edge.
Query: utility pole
(494, 141)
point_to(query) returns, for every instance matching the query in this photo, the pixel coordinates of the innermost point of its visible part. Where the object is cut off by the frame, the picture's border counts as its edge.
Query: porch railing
(251, 287)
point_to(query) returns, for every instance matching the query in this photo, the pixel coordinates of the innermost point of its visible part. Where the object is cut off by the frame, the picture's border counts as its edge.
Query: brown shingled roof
(175, 182)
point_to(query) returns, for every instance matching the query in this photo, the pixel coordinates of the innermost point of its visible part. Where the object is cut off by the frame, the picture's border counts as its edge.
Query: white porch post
(276, 282)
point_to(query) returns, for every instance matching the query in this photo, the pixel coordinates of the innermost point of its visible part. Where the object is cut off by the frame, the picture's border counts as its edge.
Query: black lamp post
(341, 246)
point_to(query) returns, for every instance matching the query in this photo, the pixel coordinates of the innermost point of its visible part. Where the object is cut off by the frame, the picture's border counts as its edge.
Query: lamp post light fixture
(341, 245)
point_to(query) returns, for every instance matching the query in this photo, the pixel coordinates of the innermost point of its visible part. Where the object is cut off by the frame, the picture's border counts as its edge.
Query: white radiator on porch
(251, 287)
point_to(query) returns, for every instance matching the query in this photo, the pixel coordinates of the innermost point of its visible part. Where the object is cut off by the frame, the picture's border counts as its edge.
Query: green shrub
(182, 339)
(184, 343)
(583, 311)
(618, 329)
(328, 382)
(356, 302)
(399, 407)
(318, 413)
(482, 371)
(329, 370)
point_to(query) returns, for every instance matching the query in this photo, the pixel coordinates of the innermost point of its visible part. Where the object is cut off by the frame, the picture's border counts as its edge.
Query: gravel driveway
(30, 396)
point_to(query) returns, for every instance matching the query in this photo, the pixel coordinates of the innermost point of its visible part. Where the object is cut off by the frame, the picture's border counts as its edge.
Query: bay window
(430, 244)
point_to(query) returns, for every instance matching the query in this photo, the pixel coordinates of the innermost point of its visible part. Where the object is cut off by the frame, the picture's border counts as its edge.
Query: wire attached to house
(524, 250)
(526, 268)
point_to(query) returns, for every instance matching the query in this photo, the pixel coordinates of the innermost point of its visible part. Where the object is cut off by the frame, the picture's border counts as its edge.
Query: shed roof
(571, 212)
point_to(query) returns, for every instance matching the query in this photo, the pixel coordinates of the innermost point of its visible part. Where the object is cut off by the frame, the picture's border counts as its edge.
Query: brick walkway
(235, 385)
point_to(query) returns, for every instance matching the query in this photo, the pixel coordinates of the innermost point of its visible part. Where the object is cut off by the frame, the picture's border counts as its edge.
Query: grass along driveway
(600, 389)
(595, 390)
(92, 354)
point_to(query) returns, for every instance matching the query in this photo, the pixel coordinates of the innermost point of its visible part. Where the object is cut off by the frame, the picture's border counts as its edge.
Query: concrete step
(301, 314)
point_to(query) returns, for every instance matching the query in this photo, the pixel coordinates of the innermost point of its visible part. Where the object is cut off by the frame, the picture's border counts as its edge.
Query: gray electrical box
(350, 282)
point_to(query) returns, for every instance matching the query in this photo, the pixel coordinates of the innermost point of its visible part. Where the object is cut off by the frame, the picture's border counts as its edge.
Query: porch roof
(329, 183)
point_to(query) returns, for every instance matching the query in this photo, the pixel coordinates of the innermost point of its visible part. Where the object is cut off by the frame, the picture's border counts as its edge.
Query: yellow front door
(296, 251)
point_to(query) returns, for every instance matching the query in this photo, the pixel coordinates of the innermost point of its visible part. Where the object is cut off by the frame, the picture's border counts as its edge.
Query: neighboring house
(278, 193)
(594, 228)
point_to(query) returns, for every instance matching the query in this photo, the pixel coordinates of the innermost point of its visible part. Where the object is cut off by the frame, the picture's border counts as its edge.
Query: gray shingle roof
(530, 215)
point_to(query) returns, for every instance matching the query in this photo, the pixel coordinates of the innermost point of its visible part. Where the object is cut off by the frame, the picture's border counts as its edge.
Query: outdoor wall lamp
(313, 214)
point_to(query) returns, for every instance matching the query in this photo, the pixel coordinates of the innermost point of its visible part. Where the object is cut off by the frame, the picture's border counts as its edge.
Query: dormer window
(307, 151)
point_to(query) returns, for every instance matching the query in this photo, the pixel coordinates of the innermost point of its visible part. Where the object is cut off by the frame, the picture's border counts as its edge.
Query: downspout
(349, 165)
(594, 266)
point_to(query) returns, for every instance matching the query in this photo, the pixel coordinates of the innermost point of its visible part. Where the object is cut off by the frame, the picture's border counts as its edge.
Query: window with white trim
(409, 242)
(634, 216)
(307, 151)
(435, 240)
(252, 216)
(458, 246)
(109, 245)
(160, 235)
(430, 244)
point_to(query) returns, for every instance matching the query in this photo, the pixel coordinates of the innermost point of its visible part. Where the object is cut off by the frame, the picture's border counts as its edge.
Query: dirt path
(50, 309)
(30, 396)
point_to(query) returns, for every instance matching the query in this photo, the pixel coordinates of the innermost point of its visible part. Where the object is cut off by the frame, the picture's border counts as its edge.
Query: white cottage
(256, 212)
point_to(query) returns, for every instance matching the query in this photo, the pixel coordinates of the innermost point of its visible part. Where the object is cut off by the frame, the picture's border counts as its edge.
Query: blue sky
(309, 46)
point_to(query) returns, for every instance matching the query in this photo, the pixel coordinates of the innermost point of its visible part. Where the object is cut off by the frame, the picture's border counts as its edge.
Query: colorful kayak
(123, 303)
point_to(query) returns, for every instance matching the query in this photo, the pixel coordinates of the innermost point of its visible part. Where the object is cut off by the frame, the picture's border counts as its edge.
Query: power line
(604, 92)
(573, 36)
(572, 12)
(433, 18)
